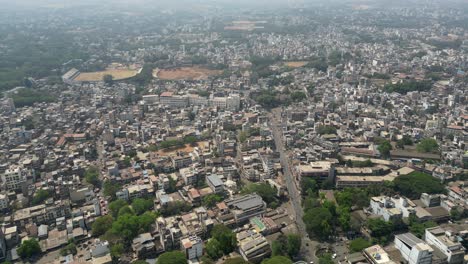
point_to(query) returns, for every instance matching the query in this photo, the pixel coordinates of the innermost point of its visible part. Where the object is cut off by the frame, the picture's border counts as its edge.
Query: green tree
(321, 130)
(358, 244)
(384, 148)
(318, 221)
(211, 200)
(108, 79)
(298, 96)
(326, 259)
(428, 145)
(126, 210)
(414, 184)
(226, 238)
(29, 248)
(102, 225)
(213, 249)
(115, 206)
(117, 250)
(237, 260)
(419, 228)
(92, 176)
(277, 260)
(140, 205)
(294, 245)
(110, 189)
(140, 262)
(264, 190)
(380, 229)
(69, 249)
(40, 196)
(172, 257)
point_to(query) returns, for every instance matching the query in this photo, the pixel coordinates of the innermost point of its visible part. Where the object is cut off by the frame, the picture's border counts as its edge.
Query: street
(308, 246)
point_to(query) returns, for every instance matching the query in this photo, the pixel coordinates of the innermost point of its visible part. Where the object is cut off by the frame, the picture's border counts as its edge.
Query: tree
(427, 145)
(115, 206)
(140, 262)
(126, 210)
(359, 244)
(226, 238)
(211, 200)
(69, 249)
(40, 196)
(264, 190)
(326, 259)
(110, 189)
(321, 130)
(117, 250)
(294, 245)
(380, 229)
(29, 248)
(298, 96)
(172, 257)
(175, 207)
(213, 249)
(128, 226)
(419, 228)
(384, 148)
(414, 184)
(140, 205)
(277, 260)
(102, 225)
(92, 176)
(317, 222)
(108, 79)
(237, 260)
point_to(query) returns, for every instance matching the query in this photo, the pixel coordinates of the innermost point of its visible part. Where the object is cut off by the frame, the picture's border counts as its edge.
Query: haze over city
(237, 132)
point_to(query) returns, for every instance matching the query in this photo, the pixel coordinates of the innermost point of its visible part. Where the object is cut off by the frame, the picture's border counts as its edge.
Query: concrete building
(3, 202)
(192, 247)
(171, 100)
(413, 249)
(245, 207)
(253, 246)
(14, 178)
(391, 208)
(319, 171)
(42, 214)
(447, 242)
(377, 255)
(215, 183)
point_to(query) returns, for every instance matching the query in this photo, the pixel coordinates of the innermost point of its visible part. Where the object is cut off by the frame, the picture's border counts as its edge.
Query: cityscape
(237, 132)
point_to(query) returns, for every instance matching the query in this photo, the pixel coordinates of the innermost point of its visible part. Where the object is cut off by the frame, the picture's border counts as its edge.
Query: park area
(295, 64)
(185, 73)
(117, 74)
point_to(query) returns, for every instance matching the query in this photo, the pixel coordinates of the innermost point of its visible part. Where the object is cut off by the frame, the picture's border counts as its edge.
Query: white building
(413, 249)
(171, 100)
(447, 242)
(392, 207)
(192, 246)
(215, 183)
(13, 178)
(3, 202)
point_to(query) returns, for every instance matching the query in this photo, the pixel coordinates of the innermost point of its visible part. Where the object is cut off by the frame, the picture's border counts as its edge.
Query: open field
(295, 64)
(187, 148)
(97, 76)
(185, 73)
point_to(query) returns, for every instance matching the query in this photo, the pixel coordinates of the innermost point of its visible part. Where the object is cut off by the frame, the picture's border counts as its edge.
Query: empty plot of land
(185, 73)
(295, 64)
(97, 76)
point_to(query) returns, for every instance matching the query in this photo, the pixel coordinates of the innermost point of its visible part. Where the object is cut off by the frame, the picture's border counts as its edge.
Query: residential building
(215, 183)
(192, 247)
(447, 242)
(253, 246)
(413, 249)
(14, 178)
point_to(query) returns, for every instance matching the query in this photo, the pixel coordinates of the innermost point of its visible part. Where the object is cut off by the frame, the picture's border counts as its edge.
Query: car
(334, 256)
(311, 262)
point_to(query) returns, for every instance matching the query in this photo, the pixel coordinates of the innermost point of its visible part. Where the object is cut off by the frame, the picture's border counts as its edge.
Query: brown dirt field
(97, 76)
(185, 73)
(186, 149)
(295, 64)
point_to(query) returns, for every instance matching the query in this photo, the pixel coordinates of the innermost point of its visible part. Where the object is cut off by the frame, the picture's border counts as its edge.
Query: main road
(308, 246)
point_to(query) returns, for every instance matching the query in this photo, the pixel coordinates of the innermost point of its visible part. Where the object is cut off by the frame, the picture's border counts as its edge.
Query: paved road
(308, 245)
